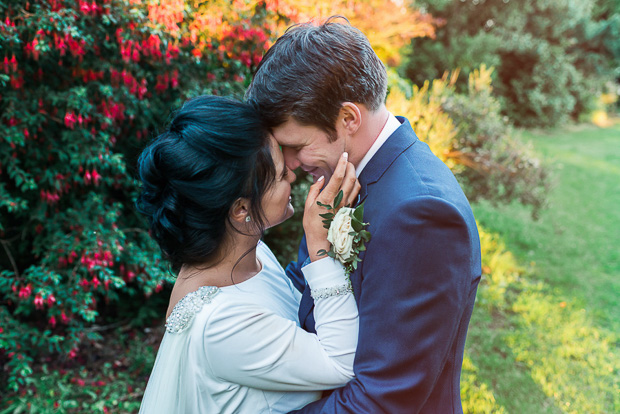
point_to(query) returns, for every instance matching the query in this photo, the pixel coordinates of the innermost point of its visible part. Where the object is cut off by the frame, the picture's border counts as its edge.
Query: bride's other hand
(343, 179)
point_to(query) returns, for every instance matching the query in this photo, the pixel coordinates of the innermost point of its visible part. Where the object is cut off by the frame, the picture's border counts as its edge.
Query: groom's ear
(349, 118)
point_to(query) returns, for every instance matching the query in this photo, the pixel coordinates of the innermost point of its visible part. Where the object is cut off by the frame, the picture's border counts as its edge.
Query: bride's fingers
(315, 190)
(333, 186)
(349, 186)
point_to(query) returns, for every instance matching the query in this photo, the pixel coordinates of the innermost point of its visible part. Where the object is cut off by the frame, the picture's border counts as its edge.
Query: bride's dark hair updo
(214, 151)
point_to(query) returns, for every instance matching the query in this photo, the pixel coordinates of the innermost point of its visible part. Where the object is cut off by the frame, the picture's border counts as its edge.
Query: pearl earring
(247, 219)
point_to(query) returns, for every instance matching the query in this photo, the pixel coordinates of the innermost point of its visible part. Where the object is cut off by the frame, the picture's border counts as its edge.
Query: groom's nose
(290, 158)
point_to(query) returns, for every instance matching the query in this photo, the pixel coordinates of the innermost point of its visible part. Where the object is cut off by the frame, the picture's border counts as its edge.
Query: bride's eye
(284, 173)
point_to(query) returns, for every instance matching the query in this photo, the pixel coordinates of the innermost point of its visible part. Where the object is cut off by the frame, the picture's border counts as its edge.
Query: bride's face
(276, 202)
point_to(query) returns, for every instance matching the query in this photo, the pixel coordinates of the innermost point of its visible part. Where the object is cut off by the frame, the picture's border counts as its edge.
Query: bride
(212, 183)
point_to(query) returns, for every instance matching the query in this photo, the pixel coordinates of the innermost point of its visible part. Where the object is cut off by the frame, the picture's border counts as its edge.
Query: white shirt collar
(390, 126)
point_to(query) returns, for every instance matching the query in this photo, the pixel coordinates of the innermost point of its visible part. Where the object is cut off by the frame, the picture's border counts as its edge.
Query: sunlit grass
(550, 343)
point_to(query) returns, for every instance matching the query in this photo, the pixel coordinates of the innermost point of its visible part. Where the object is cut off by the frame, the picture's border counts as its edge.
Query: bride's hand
(343, 179)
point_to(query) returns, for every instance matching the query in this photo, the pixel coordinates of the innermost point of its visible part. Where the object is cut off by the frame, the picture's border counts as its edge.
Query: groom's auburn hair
(312, 69)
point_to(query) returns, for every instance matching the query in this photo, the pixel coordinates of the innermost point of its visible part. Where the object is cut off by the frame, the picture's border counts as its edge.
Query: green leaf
(358, 213)
(361, 247)
(354, 265)
(365, 235)
(327, 215)
(338, 198)
(321, 252)
(327, 206)
(357, 226)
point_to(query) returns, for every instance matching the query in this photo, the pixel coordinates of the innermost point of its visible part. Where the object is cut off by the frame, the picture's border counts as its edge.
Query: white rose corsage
(346, 233)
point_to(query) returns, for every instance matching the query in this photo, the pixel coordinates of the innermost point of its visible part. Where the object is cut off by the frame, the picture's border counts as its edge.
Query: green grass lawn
(550, 343)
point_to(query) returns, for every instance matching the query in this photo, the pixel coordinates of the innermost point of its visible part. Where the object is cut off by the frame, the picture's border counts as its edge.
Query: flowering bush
(84, 85)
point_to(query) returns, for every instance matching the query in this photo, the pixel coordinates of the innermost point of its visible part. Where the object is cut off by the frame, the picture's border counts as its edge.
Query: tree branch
(11, 259)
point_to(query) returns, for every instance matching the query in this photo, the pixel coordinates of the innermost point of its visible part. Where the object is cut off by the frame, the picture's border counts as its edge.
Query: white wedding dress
(239, 348)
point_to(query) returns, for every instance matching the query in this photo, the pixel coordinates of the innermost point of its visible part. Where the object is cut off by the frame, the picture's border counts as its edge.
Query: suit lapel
(396, 144)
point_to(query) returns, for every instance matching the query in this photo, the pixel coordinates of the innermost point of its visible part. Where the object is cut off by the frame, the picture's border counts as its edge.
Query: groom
(321, 89)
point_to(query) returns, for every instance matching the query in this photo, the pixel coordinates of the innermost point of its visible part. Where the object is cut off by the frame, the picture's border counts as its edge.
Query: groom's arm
(293, 270)
(416, 280)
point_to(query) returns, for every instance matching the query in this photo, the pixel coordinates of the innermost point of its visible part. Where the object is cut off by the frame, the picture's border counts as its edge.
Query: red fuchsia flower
(158, 288)
(108, 257)
(96, 177)
(31, 49)
(64, 318)
(80, 382)
(52, 321)
(62, 262)
(85, 7)
(38, 302)
(73, 353)
(24, 292)
(70, 120)
(26, 133)
(51, 300)
(245, 58)
(84, 283)
(135, 55)
(87, 177)
(174, 79)
(72, 257)
(96, 282)
(162, 83)
(13, 63)
(7, 65)
(142, 90)
(49, 198)
(1, 330)
(17, 82)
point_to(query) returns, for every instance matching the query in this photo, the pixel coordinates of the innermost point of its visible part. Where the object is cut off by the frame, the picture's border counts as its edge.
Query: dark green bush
(84, 86)
(552, 58)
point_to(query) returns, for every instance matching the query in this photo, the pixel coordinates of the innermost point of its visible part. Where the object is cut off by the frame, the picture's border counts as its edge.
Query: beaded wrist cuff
(340, 290)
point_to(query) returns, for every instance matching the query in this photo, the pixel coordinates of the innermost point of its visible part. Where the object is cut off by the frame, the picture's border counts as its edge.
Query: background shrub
(84, 86)
(552, 57)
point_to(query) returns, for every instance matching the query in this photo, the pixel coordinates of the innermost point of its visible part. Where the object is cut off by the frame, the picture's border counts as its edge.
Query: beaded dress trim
(332, 291)
(185, 310)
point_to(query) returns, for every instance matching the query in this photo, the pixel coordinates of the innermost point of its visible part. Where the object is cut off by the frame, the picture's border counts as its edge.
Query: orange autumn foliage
(389, 24)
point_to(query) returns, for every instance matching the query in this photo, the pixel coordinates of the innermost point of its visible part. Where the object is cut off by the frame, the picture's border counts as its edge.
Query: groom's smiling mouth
(314, 172)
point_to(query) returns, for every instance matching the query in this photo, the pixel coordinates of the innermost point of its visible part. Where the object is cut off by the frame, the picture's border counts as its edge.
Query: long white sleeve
(250, 345)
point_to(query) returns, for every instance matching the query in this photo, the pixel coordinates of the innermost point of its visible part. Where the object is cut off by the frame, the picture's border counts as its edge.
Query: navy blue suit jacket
(415, 288)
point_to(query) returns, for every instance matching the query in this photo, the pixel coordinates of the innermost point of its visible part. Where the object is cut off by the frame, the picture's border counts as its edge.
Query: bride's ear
(240, 211)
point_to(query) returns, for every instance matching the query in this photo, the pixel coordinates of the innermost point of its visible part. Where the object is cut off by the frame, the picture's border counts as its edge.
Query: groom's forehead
(294, 134)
